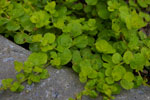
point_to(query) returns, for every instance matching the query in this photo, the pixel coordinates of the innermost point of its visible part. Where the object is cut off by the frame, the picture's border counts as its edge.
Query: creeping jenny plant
(100, 38)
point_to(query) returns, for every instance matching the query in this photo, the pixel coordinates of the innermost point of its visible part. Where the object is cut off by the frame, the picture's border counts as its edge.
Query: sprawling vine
(101, 38)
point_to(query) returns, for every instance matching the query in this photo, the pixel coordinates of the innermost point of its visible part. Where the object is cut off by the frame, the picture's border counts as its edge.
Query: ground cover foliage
(102, 39)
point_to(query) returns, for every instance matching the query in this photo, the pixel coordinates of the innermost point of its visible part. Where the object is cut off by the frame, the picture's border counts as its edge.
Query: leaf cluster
(102, 39)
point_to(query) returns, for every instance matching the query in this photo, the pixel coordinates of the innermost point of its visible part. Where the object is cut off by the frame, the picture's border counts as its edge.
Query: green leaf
(124, 12)
(76, 68)
(27, 69)
(3, 21)
(132, 19)
(34, 47)
(17, 11)
(116, 58)
(37, 69)
(93, 94)
(93, 74)
(87, 70)
(135, 18)
(87, 9)
(74, 27)
(116, 89)
(102, 10)
(16, 87)
(44, 74)
(26, 23)
(78, 6)
(91, 2)
(64, 40)
(34, 78)
(142, 35)
(113, 5)
(81, 41)
(40, 18)
(48, 47)
(85, 66)
(60, 23)
(4, 3)
(20, 77)
(100, 85)
(101, 75)
(109, 80)
(86, 53)
(12, 25)
(128, 57)
(142, 3)
(90, 84)
(28, 65)
(71, 99)
(128, 76)
(138, 62)
(56, 62)
(6, 83)
(108, 71)
(50, 7)
(65, 56)
(107, 58)
(91, 41)
(21, 38)
(96, 62)
(118, 72)
(53, 54)
(48, 39)
(134, 42)
(76, 57)
(145, 15)
(91, 22)
(138, 81)
(107, 91)
(82, 77)
(21, 88)
(116, 26)
(146, 52)
(18, 66)
(103, 46)
(37, 38)
(126, 84)
(38, 58)
(120, 47)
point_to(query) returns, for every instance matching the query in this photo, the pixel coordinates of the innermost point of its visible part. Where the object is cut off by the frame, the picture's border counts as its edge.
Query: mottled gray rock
(141, 93)
(61, 85)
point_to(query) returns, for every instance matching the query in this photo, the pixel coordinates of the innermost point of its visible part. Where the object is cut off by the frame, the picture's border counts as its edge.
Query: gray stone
(61, 84)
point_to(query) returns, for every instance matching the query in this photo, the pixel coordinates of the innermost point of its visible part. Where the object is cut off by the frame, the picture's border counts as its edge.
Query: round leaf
(65, 56)
(128, 76)
(126, 84)
(127, 57)
(38, 58)
(116, 58)
(104, 47)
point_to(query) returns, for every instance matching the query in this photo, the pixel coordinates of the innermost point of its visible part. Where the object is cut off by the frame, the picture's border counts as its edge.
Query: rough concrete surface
(61, 85)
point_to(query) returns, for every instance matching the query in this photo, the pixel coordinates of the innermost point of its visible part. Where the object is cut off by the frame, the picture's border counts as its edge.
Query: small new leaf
(116, 58)
(127, 57)
(18, 66)
(126, 84)
(38, 58)
(103, 46)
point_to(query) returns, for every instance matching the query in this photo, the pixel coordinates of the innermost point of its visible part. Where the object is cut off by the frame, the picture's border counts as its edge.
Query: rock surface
(61, 85)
